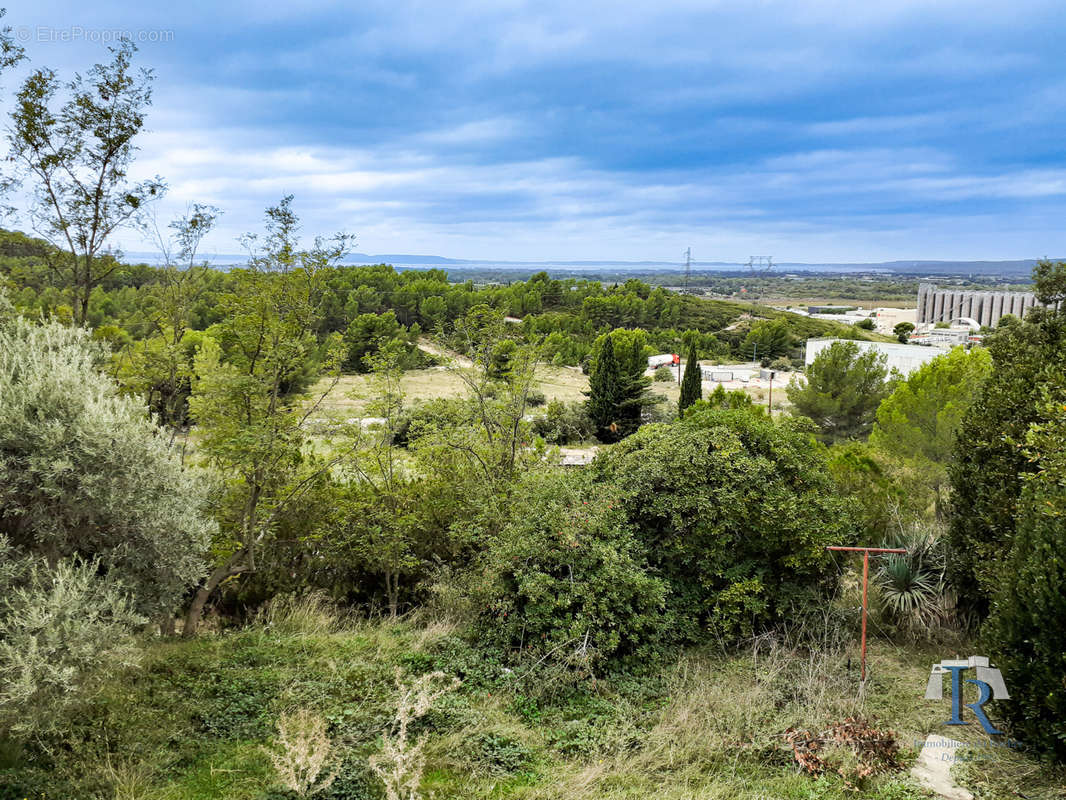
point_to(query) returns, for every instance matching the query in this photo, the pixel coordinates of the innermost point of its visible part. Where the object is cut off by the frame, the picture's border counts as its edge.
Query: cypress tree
(691, 386)
(605, 390)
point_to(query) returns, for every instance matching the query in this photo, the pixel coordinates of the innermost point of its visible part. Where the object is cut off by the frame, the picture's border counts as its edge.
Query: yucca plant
(911, 586)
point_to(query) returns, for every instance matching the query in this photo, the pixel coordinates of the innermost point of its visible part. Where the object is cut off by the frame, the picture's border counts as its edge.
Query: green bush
(1025, 629)
(564, 581)
(564, 423)
(663, 374)
(60, 627)
(734, 510)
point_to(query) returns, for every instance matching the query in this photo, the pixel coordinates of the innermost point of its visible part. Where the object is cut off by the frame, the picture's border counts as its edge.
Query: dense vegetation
(419, 599)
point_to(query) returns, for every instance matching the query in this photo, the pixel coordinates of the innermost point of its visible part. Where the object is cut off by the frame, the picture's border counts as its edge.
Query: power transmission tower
(759, 266)
(688, 266)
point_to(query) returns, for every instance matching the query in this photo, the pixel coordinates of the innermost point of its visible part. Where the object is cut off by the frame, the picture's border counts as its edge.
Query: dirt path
(426, 346)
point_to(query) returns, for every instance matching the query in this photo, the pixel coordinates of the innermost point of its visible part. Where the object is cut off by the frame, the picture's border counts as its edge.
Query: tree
(605, 391)
(989, 466)
(618, 388)
(903, 331)
(844, 387)
(377, 505)
(691, 384)
(769, 339)
(1028, 641)
(84, 473)
(921, 417)
(734, 510)
(159, 367)
(77, 157)
(251, 423)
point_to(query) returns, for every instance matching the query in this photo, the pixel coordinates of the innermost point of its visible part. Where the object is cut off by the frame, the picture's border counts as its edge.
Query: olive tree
(101, 528)
(85, 472)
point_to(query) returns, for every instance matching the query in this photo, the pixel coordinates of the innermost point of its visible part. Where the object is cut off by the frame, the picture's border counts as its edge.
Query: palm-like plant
(911, 585)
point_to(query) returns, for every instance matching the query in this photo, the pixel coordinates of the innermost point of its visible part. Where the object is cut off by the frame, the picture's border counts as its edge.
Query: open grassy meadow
(198, 720)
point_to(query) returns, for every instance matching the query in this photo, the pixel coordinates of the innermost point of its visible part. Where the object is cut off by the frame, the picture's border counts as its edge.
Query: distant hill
(915, 268)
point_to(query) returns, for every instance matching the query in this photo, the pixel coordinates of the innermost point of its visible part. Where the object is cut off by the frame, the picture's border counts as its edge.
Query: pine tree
(691, 385)
(605, 391)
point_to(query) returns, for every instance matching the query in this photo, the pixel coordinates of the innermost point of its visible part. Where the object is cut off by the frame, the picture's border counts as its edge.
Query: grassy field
(349, 398)
(193, 721)
(352, 392)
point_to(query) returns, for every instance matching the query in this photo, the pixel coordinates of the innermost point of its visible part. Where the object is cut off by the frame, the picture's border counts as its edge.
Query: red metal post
(865, 583)
(865, 586)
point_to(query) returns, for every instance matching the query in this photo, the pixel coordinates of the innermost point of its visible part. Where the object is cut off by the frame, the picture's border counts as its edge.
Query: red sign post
(865, 583)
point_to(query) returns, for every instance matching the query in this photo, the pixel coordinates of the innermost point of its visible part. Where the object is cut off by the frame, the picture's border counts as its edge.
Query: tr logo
(989, 683)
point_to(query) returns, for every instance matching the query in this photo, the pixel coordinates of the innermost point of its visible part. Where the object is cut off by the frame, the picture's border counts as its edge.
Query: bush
(866, 324)
(59, 628)
(1025, 630)
(663, 374)
(564, 423)
(781, 364)
(535, 398)
(734, 510)
(84, 472)
(564, 579)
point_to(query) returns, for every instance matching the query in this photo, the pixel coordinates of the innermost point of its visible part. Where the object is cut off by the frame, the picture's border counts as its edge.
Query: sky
(820, 131)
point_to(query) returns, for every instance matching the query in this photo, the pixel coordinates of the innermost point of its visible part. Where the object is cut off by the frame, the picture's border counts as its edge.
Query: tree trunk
(392, 589)
(234, 566)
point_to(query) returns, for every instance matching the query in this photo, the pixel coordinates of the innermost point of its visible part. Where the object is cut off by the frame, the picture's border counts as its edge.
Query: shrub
(663, 374)
(564, 579)
(535, 398)
(1025, 629)
(734, 510)
(564, 423)
(84, 472)
(59, 627)
(781, 364)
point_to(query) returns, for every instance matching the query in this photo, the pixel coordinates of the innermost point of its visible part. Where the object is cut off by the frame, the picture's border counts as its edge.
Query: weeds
(301, 752)
(401, 760)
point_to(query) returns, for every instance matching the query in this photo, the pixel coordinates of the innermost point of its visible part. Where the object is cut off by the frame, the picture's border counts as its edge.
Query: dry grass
(352, 393)
(302, 752)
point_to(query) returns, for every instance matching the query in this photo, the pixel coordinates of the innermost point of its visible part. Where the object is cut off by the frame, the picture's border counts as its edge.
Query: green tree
(605, 391)
(903, 331)
(618, 388)
(159, 366)
(989, 465)
(251, 427)
(844, 387)
(84, 473)
(1028, 641)
(691, 384)
(768, 340)
(77, 159)
(920, 419)
(377, 506)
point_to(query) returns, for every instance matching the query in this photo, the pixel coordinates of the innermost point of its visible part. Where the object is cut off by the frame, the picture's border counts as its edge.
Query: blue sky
(813, 131)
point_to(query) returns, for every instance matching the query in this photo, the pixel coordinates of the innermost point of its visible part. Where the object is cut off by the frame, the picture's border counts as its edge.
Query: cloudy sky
(813, 131)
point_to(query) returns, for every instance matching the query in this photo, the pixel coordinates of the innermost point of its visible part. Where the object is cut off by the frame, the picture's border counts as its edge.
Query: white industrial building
(904, 357)
(985, 308)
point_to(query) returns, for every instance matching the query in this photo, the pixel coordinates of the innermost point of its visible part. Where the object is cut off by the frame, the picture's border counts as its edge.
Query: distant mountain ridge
(1017, 267)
